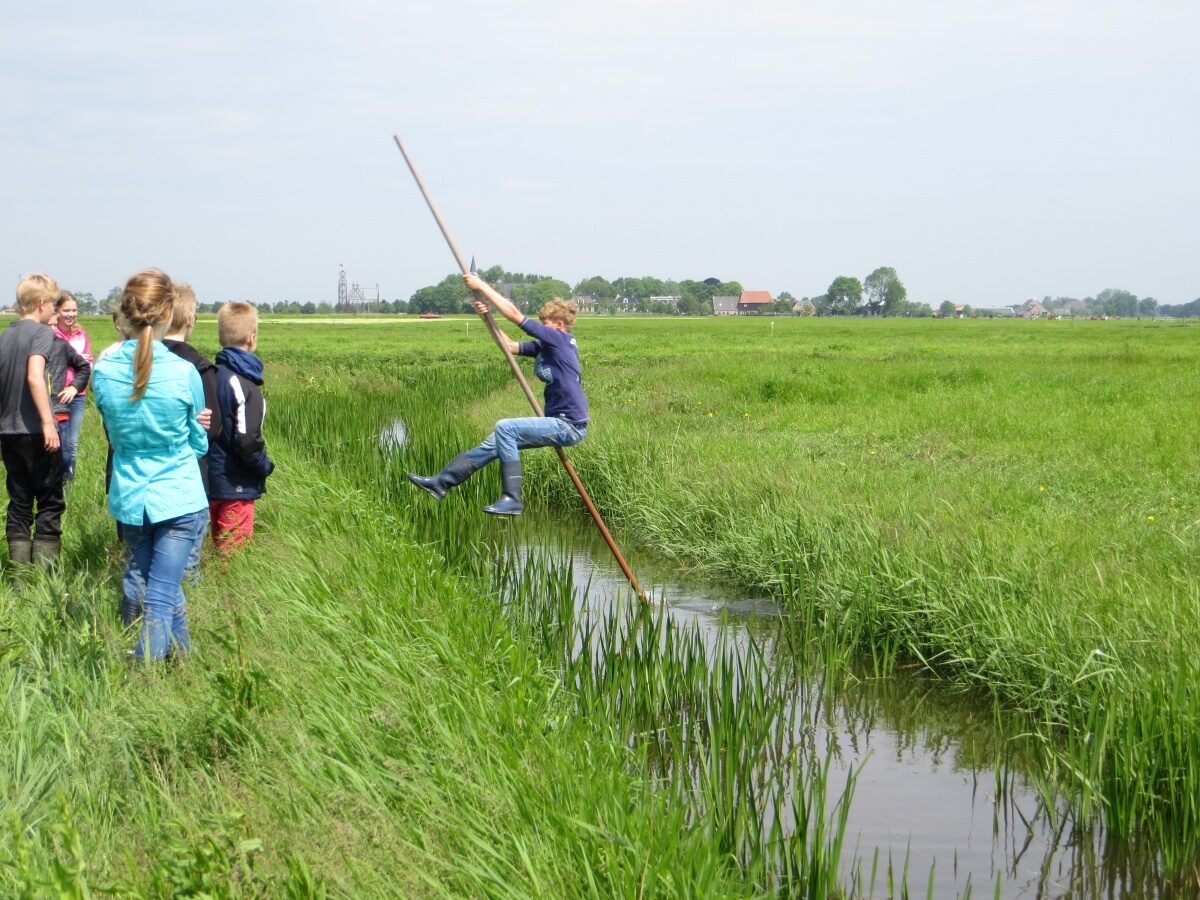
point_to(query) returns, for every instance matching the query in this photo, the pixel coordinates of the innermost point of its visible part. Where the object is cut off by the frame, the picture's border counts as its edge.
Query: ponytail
(146, 304)
(143, 360)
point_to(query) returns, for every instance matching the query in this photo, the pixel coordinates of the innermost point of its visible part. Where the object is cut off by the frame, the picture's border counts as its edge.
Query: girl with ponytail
(152, 403)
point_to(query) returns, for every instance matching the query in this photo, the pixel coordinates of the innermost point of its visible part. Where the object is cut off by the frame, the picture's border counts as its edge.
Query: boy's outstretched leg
(456, 472)
(509, 503)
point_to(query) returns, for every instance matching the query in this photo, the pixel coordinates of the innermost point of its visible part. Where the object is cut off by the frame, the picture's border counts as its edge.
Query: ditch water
(939, 790)
(940, 795)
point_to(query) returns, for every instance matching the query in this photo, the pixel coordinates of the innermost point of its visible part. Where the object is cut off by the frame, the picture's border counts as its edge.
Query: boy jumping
(556, 362)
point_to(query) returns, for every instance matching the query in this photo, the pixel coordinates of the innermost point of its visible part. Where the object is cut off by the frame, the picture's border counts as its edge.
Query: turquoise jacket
(157, 440)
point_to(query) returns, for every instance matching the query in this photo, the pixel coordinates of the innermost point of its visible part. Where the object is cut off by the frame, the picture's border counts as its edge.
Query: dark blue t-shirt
(557, 364)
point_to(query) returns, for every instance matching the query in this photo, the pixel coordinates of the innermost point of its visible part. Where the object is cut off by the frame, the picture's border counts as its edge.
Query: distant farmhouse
(749, 303)
(1031, 309)
(585, 303)
(804, 308)
(669, 301)
(725, 305)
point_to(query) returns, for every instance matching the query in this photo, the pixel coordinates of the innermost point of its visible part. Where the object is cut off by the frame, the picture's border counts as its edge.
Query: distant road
(354, 320)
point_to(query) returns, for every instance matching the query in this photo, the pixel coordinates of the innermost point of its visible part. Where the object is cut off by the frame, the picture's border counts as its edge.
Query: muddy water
(939, 787)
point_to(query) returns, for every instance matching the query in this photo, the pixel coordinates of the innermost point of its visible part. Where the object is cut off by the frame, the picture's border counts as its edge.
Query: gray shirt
(21, 340)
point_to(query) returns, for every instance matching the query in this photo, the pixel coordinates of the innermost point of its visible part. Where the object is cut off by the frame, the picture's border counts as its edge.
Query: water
(393, 436)
(940, 785)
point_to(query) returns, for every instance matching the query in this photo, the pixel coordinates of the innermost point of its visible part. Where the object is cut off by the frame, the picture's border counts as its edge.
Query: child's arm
(505, 307)
(513, 346)
(35, 377)
(197, 435)
(83, 374)
(209, 378)
(246, 441)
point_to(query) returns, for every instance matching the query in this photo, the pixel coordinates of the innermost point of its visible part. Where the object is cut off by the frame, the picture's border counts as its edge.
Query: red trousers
(232, 522)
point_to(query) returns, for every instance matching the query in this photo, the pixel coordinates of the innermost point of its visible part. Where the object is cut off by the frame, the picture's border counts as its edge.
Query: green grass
(376, 709)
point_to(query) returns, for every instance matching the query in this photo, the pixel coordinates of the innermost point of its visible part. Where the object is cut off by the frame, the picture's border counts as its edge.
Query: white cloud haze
(989, 152)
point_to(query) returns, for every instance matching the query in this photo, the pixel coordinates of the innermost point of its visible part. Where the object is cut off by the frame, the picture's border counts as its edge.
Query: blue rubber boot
(509, 503)
(456, 472)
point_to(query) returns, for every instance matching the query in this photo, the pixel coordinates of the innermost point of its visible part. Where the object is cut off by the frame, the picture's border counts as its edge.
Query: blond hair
(558, 310)
(146, 305)
(122, 324)
(185, 307)
(236, 321)
(34, 290)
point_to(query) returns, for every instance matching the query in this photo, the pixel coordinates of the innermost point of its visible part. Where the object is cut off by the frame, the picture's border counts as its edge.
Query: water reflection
(393, 436)
(942, 791)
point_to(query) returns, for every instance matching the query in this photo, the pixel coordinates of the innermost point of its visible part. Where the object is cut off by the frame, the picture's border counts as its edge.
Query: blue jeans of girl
(68, 435)
(161, 550)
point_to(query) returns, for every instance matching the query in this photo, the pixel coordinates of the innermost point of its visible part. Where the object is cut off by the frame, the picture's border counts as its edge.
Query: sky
(987, 151)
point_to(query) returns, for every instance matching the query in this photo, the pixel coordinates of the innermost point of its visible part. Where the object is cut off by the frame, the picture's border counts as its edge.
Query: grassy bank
(1012, 502)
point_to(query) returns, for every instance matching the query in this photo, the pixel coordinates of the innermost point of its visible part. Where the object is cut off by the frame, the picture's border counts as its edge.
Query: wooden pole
(520, 376)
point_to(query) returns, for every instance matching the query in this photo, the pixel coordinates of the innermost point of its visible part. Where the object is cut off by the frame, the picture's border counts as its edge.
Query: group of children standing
(185, 434)
(185, 437)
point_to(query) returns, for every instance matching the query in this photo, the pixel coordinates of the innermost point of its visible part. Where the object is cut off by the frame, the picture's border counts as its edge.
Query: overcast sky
(988, 151)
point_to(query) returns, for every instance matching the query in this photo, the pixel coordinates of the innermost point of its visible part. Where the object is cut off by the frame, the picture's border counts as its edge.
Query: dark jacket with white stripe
(238, 464)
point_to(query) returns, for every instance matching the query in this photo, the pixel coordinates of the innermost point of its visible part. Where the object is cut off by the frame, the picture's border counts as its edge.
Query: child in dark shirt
(556, 362)
(29, 439)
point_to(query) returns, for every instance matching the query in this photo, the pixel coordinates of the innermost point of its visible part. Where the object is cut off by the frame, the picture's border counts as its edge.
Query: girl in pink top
(66, 327)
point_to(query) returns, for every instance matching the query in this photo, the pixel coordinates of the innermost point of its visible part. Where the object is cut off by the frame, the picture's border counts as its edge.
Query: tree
(113, 301)
(447, 296)
(545, 290)
(947, 308)
(601, 288)
(884, 292)
(1147, 306)
(844, 295)
(915, 309)
(87, 302)
(1113, 302)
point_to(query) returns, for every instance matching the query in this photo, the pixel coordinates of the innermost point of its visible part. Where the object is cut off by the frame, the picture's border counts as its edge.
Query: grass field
(1010, 502)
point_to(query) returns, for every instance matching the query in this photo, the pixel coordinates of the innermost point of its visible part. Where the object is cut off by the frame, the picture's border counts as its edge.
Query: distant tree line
(881, 293)
(628, 294)
(1113, 302)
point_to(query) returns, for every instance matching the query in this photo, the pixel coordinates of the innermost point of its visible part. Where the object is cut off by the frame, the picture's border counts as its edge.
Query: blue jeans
(161, 550)
(68, 435)
(133, 584)
(513, 435)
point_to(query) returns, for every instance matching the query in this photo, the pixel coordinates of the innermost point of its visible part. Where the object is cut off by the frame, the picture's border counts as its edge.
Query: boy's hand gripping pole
(520, 376)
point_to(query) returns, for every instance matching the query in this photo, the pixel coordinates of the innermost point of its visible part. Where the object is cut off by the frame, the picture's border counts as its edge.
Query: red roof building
(754, 301)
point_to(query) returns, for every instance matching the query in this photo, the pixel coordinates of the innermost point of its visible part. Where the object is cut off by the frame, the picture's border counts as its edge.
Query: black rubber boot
(45, 551)
(509, 503)
(456, 472)
(20, 551)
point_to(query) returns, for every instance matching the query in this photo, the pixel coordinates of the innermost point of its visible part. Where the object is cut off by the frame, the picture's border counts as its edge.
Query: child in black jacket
(238, 464)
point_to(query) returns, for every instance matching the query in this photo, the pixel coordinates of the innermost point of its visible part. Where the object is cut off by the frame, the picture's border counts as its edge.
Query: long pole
(520, 376)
